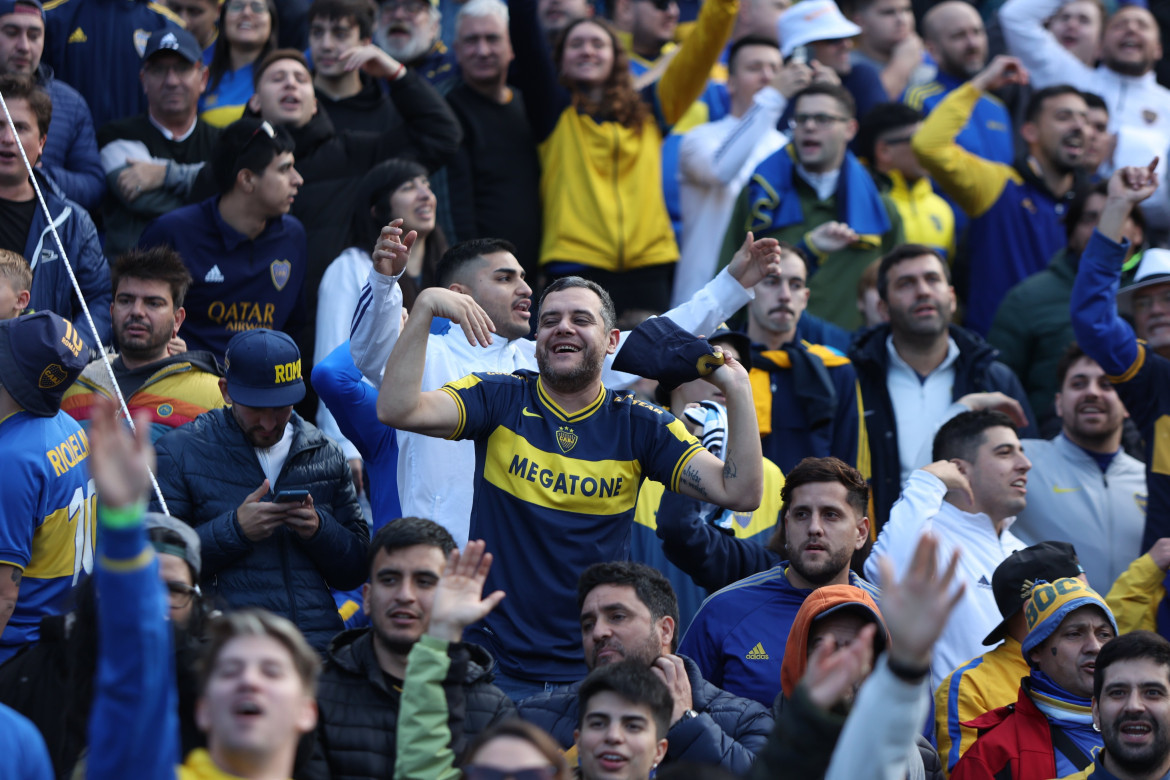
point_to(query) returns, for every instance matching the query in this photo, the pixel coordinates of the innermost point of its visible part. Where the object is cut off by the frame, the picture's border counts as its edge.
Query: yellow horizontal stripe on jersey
(57, 550)
(555, 481)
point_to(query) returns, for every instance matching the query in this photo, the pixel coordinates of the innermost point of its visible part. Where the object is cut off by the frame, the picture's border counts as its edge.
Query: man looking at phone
(270, 496)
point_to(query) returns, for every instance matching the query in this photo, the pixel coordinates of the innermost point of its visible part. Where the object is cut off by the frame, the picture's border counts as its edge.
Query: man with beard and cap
(738, 636)
(270, 496)
(46, 517)
(1015, 211)
(153, 369)
(993, 679)
(1049, 731)
(629, 612)
(359, 692)
(968, 498)
(561, 457)
(408, 30)
(1131, 708)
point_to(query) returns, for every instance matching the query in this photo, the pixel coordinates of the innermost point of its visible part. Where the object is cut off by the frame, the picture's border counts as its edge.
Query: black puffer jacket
(728, 731)
(976, 371)
(207, 467)
(358, 710)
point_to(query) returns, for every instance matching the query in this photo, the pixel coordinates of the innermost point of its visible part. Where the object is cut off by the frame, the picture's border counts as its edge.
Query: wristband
(911, 674)
(121, 516)
(398, 73)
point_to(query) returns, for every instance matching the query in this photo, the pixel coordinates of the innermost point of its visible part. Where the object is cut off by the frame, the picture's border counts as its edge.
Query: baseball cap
(813, 20)
(263, 369)
(659, 349)
(1154, 269)
(1051, 602)
(189, 550)
(180, 42)
(21, 7)
(41, 356)
(1015, 577)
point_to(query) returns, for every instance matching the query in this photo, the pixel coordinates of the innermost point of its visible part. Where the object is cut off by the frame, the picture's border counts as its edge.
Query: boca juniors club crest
(54, 374)
(140, 39)
(281, 272)
(566, 439)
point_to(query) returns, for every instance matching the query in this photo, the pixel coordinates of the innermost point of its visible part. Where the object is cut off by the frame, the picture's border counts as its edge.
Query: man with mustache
(1086, 489)
(1048, 732)
(1015, 210)
(968, 498)
(629, 612)
(154, 370)
(1131, 707)
(806, 394)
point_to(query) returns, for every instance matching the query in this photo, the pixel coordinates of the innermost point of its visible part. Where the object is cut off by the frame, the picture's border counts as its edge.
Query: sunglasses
(473, 772)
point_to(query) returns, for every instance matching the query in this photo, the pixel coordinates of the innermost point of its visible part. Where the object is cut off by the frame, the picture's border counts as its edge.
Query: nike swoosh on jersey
(1058, 489)
(527, 413)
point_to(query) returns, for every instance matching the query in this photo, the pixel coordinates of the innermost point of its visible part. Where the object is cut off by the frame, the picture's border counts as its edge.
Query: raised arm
(533, 72)
(1101, 332)
(686, 75)
(377, 320)
(1022, 23)
(974, 183)
(737, 482)
(401, 402)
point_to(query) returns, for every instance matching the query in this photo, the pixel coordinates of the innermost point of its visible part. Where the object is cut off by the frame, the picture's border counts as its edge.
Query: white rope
(80, 295)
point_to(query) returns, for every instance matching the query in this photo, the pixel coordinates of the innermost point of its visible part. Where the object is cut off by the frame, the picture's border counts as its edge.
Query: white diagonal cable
(80, 295)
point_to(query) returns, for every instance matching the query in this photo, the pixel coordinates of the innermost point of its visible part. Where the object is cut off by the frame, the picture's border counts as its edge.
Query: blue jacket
(976, 371)
(728, 731)
(51, 288)
(354, 404)
(25, 754)
(70, 155)
(739, 636)
(1141, 376)
(205, 470)
(96, 47)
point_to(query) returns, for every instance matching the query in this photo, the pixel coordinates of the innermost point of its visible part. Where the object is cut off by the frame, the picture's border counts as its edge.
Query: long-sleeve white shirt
(436, 477)
(715, 161)
(1139, 107)
(923, 508)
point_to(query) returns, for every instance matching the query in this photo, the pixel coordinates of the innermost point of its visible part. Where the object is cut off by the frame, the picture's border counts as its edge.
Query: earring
(1096, 727)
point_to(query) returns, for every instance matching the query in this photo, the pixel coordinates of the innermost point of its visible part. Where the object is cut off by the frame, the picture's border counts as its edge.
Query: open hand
(461, 309)
(755, 260)
(916, 610)
(459, 599)
(393, 249)
(119, 461)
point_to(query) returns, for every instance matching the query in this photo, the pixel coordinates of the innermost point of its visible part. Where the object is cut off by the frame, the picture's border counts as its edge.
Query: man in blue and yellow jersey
(558, 462)
(46, 517)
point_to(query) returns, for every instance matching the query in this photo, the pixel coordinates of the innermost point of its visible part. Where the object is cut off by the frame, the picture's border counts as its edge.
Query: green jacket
(1032, 329)
(833, 278)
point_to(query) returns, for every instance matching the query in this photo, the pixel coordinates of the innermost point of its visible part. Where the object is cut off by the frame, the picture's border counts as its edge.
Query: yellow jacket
(199, 766)
(1135, 597)
(978, 686)
(601, 182)
(926, 217)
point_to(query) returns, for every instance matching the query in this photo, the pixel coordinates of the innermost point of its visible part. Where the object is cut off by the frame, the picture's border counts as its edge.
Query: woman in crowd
(247, 31)
(600, 139)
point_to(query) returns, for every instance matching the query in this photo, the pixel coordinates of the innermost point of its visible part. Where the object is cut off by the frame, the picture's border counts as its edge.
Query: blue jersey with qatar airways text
(554, 493)
(46, 517)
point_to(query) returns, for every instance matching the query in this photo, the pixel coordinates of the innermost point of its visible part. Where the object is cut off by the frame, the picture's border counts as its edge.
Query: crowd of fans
(445, 389)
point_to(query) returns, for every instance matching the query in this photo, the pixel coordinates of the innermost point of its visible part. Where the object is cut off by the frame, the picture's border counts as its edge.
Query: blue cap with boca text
(41, 356)
(263, 369)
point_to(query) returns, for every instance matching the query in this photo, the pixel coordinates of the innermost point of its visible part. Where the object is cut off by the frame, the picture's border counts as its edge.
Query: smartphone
(291, 497)
(799, 54)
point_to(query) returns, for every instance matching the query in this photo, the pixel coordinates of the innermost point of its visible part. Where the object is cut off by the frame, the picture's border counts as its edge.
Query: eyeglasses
(181, 594)
(897, 141)
(820, 120)
(264, 130)
(473, 772)
(255, 6)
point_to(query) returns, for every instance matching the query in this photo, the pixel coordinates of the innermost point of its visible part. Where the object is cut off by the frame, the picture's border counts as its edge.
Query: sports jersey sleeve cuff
(462, 413)
(125, 549)
(682, 464)
(8, 561)
(1134, 367)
